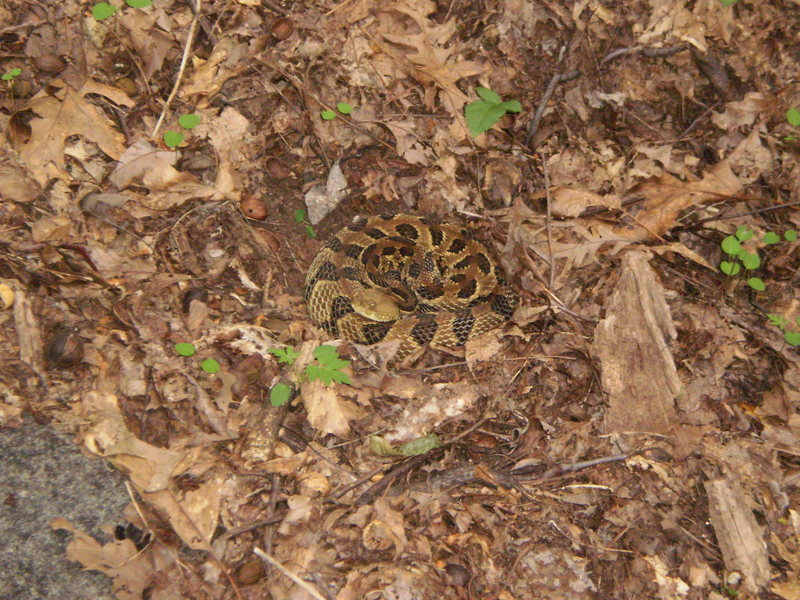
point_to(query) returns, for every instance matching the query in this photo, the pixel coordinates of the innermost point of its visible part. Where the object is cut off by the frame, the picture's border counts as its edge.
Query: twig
(303, 584)
(648, 52)
(547, 219)
(537, 116)
(184, 59)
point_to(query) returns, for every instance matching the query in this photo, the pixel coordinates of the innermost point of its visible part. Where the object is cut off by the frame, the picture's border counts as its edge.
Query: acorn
(254, 208)
(49, 63)
(281, 28)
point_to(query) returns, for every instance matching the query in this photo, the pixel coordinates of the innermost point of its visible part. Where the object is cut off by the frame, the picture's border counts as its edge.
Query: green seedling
(727, 3)
(300, 219)
(104, 10)
(11, 75)
(793, 117)
(173, 139)
(740, 258)
(482, 114)
(327, 369)
(342, 107)
(209, 365)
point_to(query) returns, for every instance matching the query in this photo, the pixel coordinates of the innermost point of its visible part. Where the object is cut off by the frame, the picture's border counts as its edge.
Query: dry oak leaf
(429, 62)
(64, 113)
(131, 570)
(149, 467)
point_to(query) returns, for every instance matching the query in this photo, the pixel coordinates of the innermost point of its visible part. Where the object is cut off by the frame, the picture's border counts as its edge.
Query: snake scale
(403, 277)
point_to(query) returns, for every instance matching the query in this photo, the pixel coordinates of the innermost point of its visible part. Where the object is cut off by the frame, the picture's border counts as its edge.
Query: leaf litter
(634, 431)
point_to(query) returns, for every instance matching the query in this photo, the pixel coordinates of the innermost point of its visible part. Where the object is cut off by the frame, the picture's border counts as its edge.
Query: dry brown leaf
(327, 410)
(131, 570)
(65, 113)
(149, 467)
(195, 514)
(570, 202)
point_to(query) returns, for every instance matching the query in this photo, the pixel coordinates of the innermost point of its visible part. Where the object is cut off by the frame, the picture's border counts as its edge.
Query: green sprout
(209, 365)
(342, 107)
(173, 139)
(12, 74)
(300, 218)
(102, 11)
(739, 257)
(327, 369)
(482, 114)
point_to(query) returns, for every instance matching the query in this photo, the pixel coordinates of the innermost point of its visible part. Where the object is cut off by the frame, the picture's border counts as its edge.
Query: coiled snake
(406, 278)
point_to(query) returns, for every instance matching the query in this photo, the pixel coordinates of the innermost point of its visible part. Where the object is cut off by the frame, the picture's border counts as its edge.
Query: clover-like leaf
(771, 238)
(757, 284)
(139, 3)
(185, 349)
(344, 108)
(103, 10)
(729, 268)
(790, 235)
(749, 260)
(210, 365)
(730, 245)
(327, 115)
(743, 233)
(173, 139)
(189, 121)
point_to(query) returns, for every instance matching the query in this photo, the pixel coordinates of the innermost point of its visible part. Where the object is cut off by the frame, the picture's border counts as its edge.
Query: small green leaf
(209, 365)
(730, 245)
(481, 115)
(727, 3)
(139, 3)
(327, 115)
(750, 261)
(381, 447)
(172, 139)
(185, 349)
(299, 215)
(729, 268)
(793, 117)
(310, 233)
(329, 366)
(777, 320)
(771, 238)
(189, 121)
(488, 95)
(757, 284)
(511, 106)
(285, 355)
(792, 338)
(102, 10)
(280, 394)
(344, 108)
(420, 445)
(790, 235)
(11, 74)
(743, 233)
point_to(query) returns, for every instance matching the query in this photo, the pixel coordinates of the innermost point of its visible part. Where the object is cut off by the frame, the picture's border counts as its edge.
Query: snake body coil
(406, 278)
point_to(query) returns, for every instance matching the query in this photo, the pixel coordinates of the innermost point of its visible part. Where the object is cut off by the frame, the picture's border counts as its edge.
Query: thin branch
(184, 59)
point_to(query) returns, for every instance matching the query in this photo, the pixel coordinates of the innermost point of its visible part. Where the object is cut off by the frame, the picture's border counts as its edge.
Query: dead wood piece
(638, 371)
(740, 537)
